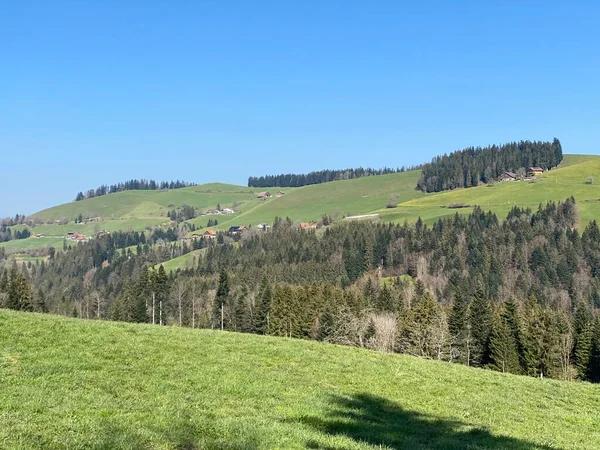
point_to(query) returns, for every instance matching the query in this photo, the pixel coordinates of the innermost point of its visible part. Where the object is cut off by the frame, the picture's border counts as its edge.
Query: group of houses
(531, 173)
(217, 211)
(267, 194)
(77, 237)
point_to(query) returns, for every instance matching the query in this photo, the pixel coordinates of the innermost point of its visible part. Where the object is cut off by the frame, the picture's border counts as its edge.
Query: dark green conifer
(503, 347)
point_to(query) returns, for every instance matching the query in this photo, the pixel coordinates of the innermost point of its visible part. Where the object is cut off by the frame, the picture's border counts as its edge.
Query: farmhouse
(237, 229)
(507, 176)
(266, 194)
(263, 226)
(533, 171)
(307, 225)
(210, 234)
(78, 237)
(280, 193)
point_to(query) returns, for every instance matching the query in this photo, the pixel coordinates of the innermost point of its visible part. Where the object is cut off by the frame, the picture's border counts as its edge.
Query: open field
(69, 383)
(183, 262)
(130, 204)
(345, 197)
(22, 245)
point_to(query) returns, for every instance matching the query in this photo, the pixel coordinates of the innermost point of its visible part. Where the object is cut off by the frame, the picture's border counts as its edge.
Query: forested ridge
(132, 185)
(519, 295)
(320, 176)
(475, 165)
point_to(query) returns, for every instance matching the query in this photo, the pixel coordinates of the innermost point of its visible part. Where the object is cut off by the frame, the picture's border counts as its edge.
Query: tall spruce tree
(593, 373)
(582, 334)
(222, 298)
(480, 320)
(263, 305)
(503, 347)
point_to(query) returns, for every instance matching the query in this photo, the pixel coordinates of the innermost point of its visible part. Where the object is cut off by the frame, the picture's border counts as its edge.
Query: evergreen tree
(19, 294)
(582, 334)
(385, 300)
(539, 340)
(326, 324)
(221, 298)
(263, 305)
(4, 281)
(593, 373)
(503, 347)
(480, 320)
(460, 328)
(40, 302)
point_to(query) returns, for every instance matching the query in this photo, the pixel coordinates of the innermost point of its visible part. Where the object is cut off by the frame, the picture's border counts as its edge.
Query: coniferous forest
(137, 185)
(475, 165)
(519, 295)
(321, 176)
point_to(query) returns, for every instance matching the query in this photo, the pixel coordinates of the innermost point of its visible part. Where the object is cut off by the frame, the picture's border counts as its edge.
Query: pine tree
(326, 324)
(263, 305)
(385, 300)
(582, 333)
(460, 328)
(19, 294)
(480, 320)
(503, 347)
(222, 298)
(539, 339)
(40, 302)
(593, 373)
(4, 281)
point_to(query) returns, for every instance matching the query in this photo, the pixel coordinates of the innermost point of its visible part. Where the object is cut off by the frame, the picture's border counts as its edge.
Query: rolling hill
(578, 176)
(72, 383)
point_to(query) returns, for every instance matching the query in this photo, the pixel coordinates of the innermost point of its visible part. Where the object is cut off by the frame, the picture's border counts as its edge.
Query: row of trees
(132, 185)
(519, 295)
(16, 293)
(475, 165)
(6, 234)
(321, 176)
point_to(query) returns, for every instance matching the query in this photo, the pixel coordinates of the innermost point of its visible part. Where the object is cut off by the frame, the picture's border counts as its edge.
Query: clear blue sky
(96, 92)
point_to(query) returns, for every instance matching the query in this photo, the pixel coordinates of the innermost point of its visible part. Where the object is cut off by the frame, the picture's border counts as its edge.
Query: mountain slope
(69, 383)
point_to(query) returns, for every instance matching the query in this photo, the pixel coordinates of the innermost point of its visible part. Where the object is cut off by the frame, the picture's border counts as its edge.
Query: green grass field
(186, 261)
(75, 384)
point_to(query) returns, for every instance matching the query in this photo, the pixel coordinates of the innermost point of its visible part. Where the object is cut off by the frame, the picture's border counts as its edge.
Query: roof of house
(263, 194)
(536, 169)
(236, 228)
(510, 174)
(210, 232)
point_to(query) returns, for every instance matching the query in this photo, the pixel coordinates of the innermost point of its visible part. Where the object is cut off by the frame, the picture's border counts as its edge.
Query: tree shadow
(176, 434)
(376, 421)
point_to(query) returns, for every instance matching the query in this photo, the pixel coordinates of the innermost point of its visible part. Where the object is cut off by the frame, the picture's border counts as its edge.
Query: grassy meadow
(75, 384)
(578, 176)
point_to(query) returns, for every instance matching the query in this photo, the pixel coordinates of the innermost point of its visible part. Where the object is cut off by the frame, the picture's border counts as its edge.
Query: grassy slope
(135, 210)
(568, 180)
(150, 203)
(70, 383)
(358, 196)
(183, 262)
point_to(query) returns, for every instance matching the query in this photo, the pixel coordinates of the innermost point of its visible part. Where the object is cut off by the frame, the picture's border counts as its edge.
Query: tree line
(519, 295)
(132, 185)
(475, 165)
(317, 177)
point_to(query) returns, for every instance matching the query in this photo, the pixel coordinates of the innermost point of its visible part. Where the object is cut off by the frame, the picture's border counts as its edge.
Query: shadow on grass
(376, 421)
(174, 434)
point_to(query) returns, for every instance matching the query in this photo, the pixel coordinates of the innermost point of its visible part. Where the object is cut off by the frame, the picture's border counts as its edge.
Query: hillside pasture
(73, 383)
